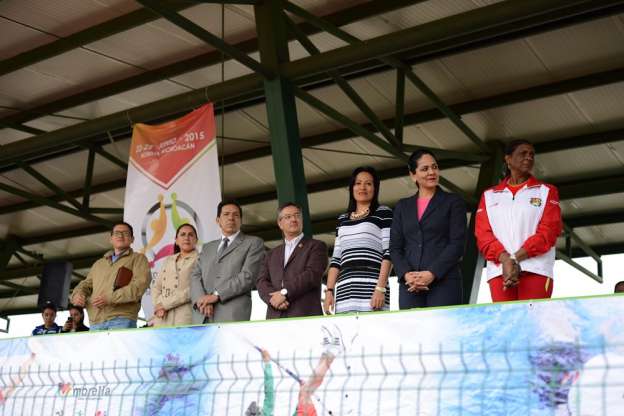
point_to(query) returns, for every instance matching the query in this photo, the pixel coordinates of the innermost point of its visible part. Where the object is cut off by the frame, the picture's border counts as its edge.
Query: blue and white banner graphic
(559, 357)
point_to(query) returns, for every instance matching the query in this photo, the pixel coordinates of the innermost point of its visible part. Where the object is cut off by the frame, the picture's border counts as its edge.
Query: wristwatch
(515, 260)
(216, 293)
(330, 289)
(284, 291)
(380, 289)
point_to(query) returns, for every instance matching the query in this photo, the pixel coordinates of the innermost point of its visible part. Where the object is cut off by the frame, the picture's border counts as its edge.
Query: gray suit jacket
(233, 274)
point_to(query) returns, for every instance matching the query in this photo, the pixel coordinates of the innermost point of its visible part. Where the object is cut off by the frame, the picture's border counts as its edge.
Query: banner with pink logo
(173, 178)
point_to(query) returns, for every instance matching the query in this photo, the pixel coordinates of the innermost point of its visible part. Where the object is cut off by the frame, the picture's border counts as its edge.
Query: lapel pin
(300, 245)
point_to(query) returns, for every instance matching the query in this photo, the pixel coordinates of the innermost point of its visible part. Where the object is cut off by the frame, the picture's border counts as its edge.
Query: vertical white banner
(173, 179)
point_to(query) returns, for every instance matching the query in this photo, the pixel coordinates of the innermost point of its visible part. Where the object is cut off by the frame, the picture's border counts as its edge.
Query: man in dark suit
(290, 280)
(226, 270)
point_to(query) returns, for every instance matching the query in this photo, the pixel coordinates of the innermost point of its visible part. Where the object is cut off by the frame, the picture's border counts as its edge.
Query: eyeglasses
(289, 217)
(121, 234)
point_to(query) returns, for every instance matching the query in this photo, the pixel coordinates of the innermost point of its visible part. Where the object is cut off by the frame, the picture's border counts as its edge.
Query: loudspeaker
(55, 282)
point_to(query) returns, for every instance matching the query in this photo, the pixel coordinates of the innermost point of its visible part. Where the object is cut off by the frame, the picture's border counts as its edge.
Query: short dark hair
(412, 162)
(176, 247)
(123, 223)
(49, 305)
(286, 205)
(376, 183)
(229, 202)
(619, 287)
(511, 147)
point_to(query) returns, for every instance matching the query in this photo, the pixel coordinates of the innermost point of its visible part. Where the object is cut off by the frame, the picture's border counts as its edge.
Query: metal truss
(398, 50)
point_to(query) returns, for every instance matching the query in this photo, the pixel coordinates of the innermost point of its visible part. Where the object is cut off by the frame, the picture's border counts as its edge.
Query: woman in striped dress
(357, 280)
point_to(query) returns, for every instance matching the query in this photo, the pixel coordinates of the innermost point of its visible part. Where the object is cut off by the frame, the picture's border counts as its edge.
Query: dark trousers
(444, 292)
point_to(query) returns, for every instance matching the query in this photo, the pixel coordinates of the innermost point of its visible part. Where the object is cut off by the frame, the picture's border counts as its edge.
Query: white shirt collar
(230, 238)
(294, 241)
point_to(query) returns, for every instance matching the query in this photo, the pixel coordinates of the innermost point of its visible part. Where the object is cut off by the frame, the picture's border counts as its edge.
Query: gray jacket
(232, 274)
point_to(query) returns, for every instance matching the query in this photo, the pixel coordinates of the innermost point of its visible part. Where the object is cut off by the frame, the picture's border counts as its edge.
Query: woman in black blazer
(427, 239)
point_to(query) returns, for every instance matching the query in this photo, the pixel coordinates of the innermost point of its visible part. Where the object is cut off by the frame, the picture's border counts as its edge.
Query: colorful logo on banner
(64, 389)
(173, 179)
(168, 212)
(164, 152)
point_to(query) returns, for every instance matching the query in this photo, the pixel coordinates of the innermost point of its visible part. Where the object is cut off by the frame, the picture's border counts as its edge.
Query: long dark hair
(375, 202)
(510, 148)
(176, 247)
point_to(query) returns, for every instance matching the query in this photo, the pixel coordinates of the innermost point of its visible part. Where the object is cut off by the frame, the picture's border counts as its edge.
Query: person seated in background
(48, 312)
(75, 321)
(115, 284)
(619, 287)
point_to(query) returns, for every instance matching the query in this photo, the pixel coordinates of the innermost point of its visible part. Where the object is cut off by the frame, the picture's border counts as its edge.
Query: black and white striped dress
(360, 247)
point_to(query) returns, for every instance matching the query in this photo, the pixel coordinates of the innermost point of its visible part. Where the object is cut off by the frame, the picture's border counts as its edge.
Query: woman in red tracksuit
(517, 225)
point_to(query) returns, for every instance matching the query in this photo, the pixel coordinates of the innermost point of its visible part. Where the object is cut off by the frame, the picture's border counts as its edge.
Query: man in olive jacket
(115, 284)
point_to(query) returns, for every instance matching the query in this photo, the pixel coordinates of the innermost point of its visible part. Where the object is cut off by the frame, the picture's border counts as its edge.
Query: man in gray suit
(226, 271)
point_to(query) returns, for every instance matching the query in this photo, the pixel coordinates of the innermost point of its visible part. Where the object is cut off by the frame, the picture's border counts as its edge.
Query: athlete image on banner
(539, 358)
(173, 179)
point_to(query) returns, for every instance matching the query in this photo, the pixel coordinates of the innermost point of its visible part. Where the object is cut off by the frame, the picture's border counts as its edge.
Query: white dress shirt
(230, 240)
(290, 246)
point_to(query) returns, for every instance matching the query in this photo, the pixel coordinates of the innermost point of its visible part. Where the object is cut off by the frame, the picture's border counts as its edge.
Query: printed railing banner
(560, 357)
(173, 178)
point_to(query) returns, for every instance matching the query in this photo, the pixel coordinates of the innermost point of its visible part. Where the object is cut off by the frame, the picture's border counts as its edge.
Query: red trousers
(530, 286)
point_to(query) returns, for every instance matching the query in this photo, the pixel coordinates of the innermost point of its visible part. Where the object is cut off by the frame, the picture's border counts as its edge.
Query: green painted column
(281, 110)
(472, 265)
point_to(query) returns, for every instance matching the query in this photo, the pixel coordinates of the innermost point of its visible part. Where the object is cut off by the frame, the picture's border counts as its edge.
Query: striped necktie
(224, 245)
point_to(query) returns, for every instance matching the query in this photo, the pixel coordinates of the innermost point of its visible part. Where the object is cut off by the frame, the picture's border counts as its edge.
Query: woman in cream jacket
(171, 292)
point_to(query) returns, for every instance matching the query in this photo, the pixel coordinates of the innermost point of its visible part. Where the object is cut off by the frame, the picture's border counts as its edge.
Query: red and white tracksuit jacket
(530, 219)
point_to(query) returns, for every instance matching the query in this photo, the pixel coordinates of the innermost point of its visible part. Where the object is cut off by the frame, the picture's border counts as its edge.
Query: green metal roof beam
(371, 137)
(598, 218)
(90, 35)
(532, 93)
(399, 65)
(36, 202)
(204, 35)
(62, 235)
(514, 97)
(49, 184)
(560, 255)
(81, 262)
(602, 249)
(568, 231)
(523, 14)
(344, 85)
(466, 23)
(339, 18)
(585, 188)
(53, 204)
